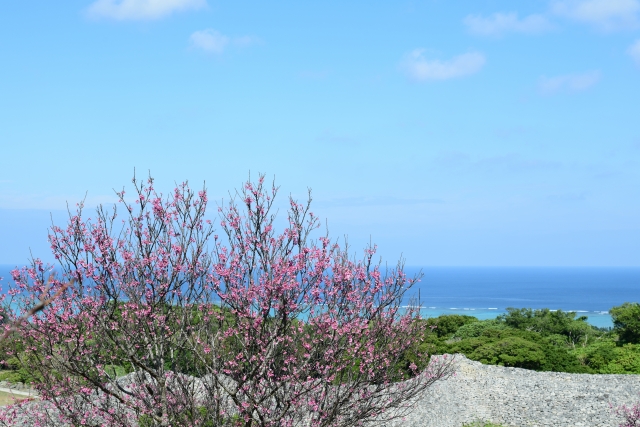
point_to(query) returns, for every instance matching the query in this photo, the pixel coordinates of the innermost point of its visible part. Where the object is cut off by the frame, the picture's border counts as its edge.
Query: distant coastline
(600, 319)
(486, 292)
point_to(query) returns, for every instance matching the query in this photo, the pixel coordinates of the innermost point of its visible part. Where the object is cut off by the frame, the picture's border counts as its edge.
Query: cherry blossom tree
(156, 320)
(630, 415)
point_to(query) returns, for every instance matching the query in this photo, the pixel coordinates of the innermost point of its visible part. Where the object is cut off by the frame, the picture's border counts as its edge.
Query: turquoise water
(486, 292)
(599, 319)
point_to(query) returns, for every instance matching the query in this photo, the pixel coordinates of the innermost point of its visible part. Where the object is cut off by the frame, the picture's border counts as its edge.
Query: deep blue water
(485, 292)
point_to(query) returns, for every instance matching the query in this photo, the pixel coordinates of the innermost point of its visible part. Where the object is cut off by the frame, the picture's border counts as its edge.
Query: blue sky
(452, 133)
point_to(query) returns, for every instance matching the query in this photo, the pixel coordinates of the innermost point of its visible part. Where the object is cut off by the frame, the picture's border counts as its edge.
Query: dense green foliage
(542, 340)
(626, 320)
(445, 326)
(15, 373)
(202, 414)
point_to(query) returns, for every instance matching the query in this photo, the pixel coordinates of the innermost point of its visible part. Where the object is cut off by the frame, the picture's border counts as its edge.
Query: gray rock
(519, 397)
(509, 396)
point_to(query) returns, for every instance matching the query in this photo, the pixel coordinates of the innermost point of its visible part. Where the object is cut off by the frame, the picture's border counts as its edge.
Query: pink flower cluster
(630, 415)
(252, 327)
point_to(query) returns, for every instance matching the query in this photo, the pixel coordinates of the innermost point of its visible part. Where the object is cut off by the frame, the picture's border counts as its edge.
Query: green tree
(518, 348)
(605, 357)
(476, 329)
(547, 322)
(626, 322)
(446, 325)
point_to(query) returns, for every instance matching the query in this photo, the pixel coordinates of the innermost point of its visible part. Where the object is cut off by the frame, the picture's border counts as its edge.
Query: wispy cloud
(634, 52)
(125, 10)
(419, 68)
(244, 41)
(607, 15)
(568, 82)
(212, 41)
(501, 23)
(209, 40)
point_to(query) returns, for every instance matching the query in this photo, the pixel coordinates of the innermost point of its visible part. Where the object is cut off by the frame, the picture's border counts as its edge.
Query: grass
(482, 424)
(9, 398)
(15, 376)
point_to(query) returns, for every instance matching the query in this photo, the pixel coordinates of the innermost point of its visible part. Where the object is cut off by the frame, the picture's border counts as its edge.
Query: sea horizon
(486, 292)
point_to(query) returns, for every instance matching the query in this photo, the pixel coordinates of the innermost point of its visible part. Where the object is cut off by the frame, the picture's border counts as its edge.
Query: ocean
(486, 292)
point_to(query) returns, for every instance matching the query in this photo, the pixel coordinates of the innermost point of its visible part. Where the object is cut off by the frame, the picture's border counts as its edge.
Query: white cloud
(500, 23)
(419, 68)
(209, 40)
(568, 82)
(212, 41)
(606, 15)
(634, 52)
(246, 41)
(123, 10)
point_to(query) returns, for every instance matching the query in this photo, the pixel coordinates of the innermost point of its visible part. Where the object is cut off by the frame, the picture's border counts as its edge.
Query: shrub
(626, 322)
(629, 414)
(446, 325)
(515, 348)
(547, 322)
(476, 329)
(605, 357)
(270, 327)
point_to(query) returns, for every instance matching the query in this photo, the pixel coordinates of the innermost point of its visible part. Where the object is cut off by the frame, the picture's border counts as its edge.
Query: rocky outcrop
(519, 397)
